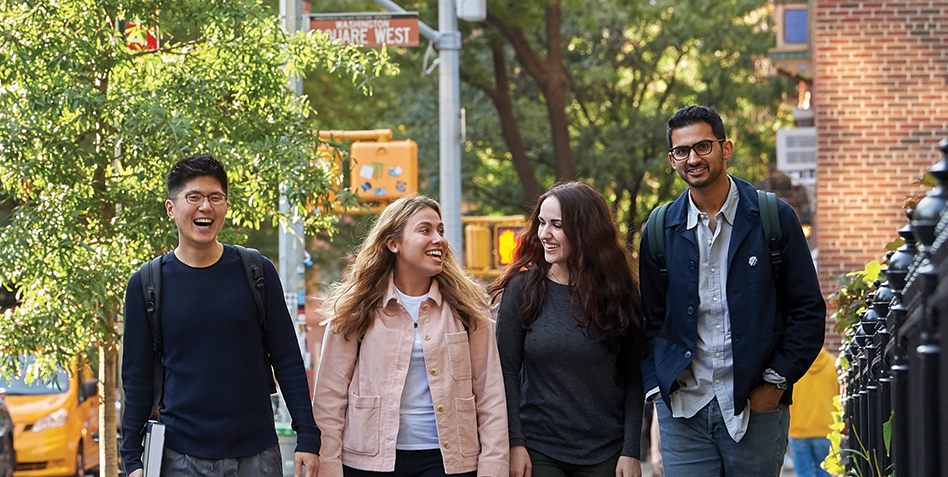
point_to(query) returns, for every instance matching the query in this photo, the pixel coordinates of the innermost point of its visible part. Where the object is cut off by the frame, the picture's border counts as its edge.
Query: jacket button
(691, 310)
(434, 372)
(424, 307)
(427, 337)
(688, 354)
(447, 445)
(440, 408)
(692, 265)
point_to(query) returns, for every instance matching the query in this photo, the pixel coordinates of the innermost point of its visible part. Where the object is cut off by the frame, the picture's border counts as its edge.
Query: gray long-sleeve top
(569, 396)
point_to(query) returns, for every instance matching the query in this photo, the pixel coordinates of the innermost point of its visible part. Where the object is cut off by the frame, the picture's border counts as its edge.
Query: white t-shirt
(416, 420)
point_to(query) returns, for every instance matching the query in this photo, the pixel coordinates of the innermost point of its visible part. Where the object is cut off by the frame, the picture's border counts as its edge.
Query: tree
(557, 90)
(89, 128)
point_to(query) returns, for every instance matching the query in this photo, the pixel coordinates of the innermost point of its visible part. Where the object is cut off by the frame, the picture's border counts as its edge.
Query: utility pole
(449, 93)
(291, 234)
(448, 41)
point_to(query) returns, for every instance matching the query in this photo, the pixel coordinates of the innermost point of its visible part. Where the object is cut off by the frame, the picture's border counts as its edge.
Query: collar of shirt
(391, 294)
(729, 208)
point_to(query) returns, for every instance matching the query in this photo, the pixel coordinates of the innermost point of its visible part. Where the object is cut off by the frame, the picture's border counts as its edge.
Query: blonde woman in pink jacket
(409, 383)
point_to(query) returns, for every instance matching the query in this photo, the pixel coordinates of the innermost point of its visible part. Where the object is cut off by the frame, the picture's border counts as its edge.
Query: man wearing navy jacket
(727, 333)
(216, 405)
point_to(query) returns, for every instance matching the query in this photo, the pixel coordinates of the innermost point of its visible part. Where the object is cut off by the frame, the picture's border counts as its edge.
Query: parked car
(7, 454)
(56, 423)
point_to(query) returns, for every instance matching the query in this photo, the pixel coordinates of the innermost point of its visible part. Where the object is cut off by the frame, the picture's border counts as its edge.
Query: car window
(57, 384)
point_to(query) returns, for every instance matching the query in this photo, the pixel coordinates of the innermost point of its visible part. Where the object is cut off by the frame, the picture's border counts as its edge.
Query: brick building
(880, 106)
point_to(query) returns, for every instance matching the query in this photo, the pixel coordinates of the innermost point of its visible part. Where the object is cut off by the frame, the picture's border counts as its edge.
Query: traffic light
(505, 244)
(477, 247)
(490, 236)
(384, 171)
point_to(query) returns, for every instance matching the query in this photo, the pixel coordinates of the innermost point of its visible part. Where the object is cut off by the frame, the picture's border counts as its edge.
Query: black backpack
(151, 288)
(769, 218)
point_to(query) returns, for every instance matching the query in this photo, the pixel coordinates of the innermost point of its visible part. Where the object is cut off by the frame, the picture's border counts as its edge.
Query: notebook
(154, 448)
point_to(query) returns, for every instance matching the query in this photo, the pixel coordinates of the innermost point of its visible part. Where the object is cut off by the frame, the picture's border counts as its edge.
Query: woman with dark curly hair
(569, 334)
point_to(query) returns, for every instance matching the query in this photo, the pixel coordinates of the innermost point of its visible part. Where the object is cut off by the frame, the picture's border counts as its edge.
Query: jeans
(268, 463)
(701, 445)
(410, 463)
(545, 466)
(808, 454)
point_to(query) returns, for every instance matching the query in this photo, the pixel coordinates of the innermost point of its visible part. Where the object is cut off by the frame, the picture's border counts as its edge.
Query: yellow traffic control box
(384, 171)
(477, 249)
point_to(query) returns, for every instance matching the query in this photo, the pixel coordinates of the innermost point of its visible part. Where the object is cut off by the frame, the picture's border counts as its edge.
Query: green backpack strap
(655, 229)
(770, 219)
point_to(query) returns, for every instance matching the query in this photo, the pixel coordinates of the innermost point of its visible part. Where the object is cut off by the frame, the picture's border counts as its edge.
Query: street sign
(368, 29)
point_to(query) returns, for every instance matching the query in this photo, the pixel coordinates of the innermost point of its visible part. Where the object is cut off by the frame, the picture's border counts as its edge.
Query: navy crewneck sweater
(216, 398)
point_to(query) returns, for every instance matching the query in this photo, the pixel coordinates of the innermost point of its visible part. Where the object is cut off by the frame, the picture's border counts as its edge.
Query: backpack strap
(151, 290)
(253, 268)
(770, 219)
(656, 236)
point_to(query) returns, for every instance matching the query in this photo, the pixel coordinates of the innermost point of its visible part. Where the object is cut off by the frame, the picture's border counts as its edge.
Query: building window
(795, 26)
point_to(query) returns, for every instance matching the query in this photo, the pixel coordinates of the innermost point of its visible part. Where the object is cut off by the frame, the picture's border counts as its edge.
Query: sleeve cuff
(773, 377)
(492, 468)
(650, 395)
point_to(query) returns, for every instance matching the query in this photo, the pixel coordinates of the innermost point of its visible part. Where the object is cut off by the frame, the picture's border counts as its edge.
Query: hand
(628, 467)
(307, 460)
(765, 398)
(137, 473)
(520, 465)
(655, 451)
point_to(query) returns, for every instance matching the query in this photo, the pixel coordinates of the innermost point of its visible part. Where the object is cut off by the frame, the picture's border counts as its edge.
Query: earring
(394, 250)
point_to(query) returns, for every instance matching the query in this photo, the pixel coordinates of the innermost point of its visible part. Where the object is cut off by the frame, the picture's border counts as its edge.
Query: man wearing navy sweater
(216, 401)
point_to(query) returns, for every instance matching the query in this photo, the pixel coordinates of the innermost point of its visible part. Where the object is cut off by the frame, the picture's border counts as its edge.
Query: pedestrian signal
(505, 244)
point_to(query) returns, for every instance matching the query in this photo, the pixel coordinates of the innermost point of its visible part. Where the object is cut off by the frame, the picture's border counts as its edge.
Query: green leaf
(887, 433)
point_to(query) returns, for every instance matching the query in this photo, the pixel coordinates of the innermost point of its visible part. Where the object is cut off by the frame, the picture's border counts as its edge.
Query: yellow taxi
(55, 423)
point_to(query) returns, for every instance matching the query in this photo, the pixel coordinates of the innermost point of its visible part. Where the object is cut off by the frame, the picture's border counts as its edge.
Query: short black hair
(696, 114)
(195, 165)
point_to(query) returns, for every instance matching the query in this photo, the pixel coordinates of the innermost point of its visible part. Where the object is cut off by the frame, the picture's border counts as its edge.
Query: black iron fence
(896, 388)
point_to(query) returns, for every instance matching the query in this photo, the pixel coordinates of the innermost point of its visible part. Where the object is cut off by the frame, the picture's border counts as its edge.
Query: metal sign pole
(291, 235)
(449, 84)
(448, 41)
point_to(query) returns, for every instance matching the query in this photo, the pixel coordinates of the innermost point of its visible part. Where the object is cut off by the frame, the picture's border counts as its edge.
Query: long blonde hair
(350, 308)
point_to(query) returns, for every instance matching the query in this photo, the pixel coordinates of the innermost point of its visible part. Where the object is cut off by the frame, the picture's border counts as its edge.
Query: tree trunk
(511, 130)
(550, 78)
(559, 129)
(108, 442)
(554, 88)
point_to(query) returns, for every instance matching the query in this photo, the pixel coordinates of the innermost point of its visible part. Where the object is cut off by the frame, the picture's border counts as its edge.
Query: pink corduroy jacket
(359, 388)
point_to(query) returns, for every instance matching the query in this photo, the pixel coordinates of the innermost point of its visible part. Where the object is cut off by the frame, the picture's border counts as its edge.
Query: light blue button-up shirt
(711, 374)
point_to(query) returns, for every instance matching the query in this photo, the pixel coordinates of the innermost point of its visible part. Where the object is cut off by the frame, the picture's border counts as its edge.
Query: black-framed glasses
(701, 148)
(196, 198)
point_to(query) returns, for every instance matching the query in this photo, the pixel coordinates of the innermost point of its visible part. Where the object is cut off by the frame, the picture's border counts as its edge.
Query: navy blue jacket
(776, 322)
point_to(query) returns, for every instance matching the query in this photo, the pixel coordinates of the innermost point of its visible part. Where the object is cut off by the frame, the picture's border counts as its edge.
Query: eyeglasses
(196, 198)
(702, 148)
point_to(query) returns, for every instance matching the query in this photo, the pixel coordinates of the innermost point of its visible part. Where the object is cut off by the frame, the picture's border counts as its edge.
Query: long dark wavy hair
(601, 274)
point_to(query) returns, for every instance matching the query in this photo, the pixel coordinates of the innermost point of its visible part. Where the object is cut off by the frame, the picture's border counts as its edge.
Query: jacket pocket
(361, 435)
(467, 427)
(459, 355)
